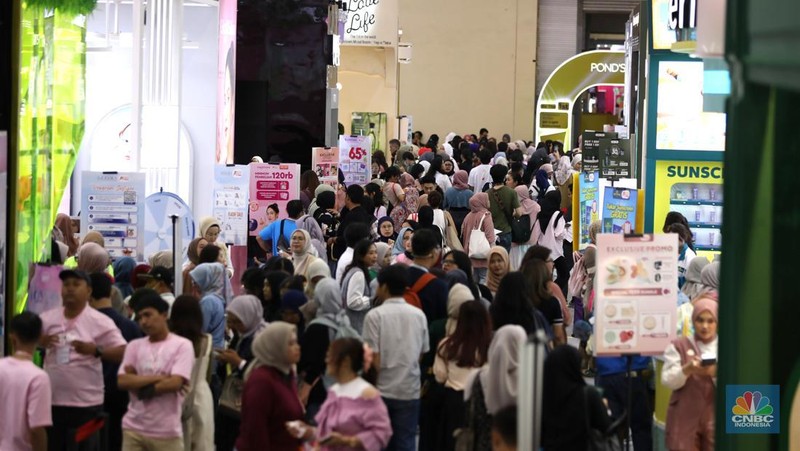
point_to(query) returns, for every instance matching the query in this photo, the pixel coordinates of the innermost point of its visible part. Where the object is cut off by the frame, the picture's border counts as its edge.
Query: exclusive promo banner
(637, 291)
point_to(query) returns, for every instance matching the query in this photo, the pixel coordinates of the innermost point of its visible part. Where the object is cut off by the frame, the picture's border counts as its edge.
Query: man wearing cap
(160, 279)
(77, 338)
(116, 400)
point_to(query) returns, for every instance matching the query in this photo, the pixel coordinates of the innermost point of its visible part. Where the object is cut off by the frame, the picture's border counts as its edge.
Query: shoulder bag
(479, 246)
(521, 229)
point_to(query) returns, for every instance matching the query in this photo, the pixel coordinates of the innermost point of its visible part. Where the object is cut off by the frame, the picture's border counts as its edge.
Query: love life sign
(371, 23)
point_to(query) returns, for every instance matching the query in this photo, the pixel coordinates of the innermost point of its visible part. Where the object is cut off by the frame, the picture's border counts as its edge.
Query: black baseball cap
(75, 274)
(159, 273)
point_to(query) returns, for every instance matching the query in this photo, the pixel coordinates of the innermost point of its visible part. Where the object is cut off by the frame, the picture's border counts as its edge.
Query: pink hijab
(460, 180)
(529, 207)
(478, 206)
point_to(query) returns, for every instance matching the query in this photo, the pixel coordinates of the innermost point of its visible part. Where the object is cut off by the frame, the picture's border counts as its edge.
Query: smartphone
(708, 359)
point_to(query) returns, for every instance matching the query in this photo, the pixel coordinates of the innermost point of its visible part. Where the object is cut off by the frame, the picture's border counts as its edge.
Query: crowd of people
(388, 316)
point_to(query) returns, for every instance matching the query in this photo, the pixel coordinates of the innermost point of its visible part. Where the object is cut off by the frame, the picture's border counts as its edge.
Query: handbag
(479, 246)
(283, 243)
(521, 228)
(187, 408)
(230, 400)
(597, 440)
(465, 436)
(450, 234)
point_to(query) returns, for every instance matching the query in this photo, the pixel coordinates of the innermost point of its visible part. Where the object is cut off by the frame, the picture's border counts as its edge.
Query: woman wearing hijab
(479, 217)
(530, 208)
(690, 371)
(292, 300)
(302, 257)
(123, 270)
(499, 266)
(64, 224)
(494, 386)
(550, 230)
(409, 203)
(386, 231)
(315, 342)
(693, 285)
(569, 403)
(271, 381)
(93, 258)
(193, 259)
(542, 184)
(456, 198)
(402, 246)
(210, 230)
(214, 289)
(564, 181)
(314, 205)
(709, 277)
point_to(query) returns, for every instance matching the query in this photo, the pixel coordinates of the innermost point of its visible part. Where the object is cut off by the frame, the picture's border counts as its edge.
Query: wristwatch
(98, 351)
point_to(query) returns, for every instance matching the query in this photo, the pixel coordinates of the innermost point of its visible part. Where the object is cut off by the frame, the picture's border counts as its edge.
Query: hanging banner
(371, 23)
(272, 186)
(588, 204)
(325, 161)
(44, 288)
(113, 205)
(619, 210)
(637, 283)
(231, 193)
(226, 81)
(355, 160)
(615, 158)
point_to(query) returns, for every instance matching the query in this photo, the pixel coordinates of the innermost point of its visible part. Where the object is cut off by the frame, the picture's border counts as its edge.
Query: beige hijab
(270, 347)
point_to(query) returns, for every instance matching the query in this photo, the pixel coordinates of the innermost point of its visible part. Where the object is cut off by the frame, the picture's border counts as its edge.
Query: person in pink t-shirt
(155, 369)
(77, 337)
(24, 389)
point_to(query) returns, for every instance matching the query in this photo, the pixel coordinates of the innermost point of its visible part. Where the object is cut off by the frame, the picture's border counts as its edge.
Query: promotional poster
(615, 158)
(637, 289)
(371, 23)
(113, 204)
(591, 149)
(588, 204)
(272, 186)
(325, 162)
(231, 193)
(619, 210)
(355, 159)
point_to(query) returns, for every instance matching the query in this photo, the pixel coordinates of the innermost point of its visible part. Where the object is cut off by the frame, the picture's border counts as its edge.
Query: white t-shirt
(479, 176)
(344, 261)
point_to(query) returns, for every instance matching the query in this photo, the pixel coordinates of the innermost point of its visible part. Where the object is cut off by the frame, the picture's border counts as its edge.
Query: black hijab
(551, 204)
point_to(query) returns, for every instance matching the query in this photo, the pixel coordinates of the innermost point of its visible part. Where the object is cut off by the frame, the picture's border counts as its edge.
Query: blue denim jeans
(504, 239)
(404, 415)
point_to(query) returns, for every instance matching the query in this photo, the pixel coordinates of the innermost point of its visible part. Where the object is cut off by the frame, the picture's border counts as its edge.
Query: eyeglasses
(448, 262)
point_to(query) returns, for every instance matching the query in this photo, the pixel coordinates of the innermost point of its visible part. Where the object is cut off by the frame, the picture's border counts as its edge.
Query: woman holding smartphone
(353, 416)
(690, 370)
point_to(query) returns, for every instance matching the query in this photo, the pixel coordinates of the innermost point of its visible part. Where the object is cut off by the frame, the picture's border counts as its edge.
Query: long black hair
(513, 303)
(186, 319)
(360, 252)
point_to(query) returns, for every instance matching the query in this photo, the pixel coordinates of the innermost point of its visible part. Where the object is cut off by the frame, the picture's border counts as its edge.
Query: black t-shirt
(551, 309)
